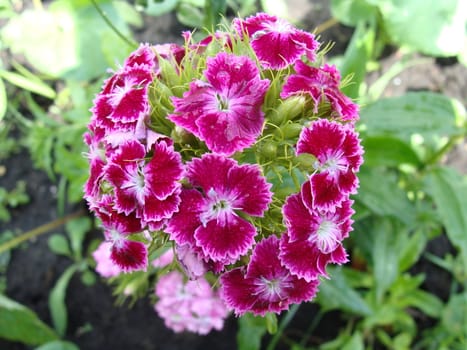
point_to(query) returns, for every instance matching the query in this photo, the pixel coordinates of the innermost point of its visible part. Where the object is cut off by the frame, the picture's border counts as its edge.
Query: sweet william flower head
(276, 42)
(225, 110)
(265, 285)
(210, 219)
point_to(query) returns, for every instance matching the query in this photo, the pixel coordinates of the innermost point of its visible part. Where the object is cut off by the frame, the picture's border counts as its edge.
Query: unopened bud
(289, 109)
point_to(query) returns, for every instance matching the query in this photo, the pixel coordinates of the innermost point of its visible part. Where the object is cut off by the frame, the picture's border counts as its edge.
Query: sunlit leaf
(28, 328)
(388, 151)
(351, 12)
(251, 330)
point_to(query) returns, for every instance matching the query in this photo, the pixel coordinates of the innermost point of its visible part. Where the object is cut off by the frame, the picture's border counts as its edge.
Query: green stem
(434, 159)
(285, 321)
(38, 231)
(104, 16)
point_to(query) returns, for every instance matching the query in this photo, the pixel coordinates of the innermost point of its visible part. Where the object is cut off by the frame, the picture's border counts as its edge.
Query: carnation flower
(321, 84)
(314, 237)
(276, 42)
(225, 111)
(210, 218)
(264, 285)
(193, 306)
(338, 158)
(148, 188)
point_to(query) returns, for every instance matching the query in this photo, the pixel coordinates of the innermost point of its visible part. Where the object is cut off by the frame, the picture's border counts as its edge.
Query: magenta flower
(266, 285)
(128, 255)
(275, 41)
(338, 157)
(314, 237)
(123, 101)
(193, 306)
(321, 84)
(150, 188)
(143, 55)
(225, 111)
(210, 219)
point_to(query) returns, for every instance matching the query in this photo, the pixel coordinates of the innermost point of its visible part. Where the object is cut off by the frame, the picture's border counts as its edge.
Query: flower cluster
(240, 152)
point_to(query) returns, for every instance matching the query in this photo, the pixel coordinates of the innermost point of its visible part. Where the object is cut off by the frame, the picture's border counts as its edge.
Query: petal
(326, 192)
(227, 242)
(209, 171)
(299, 220)
(129, 255)
(237, 292)
(182, 225)
(157, 210)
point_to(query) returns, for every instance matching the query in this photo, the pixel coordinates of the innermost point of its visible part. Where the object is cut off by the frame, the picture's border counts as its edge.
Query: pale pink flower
(225, 110)
(189, 306)
(265, 285)
(275, 41)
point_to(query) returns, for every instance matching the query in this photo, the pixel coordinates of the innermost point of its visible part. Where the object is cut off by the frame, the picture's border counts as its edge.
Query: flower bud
(268, 150)
(289, 109)
(290, 130)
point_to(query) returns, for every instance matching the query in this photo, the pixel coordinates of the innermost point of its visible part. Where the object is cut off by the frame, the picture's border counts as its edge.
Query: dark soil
(95, 323)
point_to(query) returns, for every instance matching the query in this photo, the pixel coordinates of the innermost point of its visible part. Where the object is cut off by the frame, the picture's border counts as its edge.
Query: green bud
(289, 109)
(306, 162)
(291, 130)
(268, 150)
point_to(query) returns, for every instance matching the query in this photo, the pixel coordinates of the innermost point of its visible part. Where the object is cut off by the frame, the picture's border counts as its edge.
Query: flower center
(272, 289)
(334, 164)
(218, 207)
(222, 103)
(136, 183)
(326, 237)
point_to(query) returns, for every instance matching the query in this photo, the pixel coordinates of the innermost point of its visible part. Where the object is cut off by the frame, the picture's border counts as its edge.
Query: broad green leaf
(432, 27)
(18, 323)
(3, 100)
(449, 191)
(385, 256)
(190, 15)
(351, 12)
(34, 85)
(429, 115)
(59, 245)
(58, 345)
(54, 43)
(358, 53)
(388, 151)
(251, 330)
(430, 304)
(335, 293)
(412, 248)
(381, 194)
(57, 305)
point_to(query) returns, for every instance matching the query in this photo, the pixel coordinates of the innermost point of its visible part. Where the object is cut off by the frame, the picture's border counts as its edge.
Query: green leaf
(190, 15)
(454, 316)
(388, 151)
(77, 229)
(336, 293)
(432, 27)
(3, 100)
(430, 304)
(380, 192)
(358, 53)
(213, 12)
(449, 191)
(430, 116)
(58, 345)
(59, 245)
(385, 256)
(36, 86)
(158, 8)
(355, 342)
(251, 330)
(57, 305)
(54, 43)
(18, 323)
(411, 250)
(351, 12)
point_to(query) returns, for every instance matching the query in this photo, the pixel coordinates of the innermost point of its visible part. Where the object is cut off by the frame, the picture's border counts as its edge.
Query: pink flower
(321, 84)
(209, 218)
(275, 41)
(143, 55)
(338, 157)
(265, 286)
(191, 306)
(104, 265)
(225, 112)
(314, 237)
(164, 259)
(150, 188)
